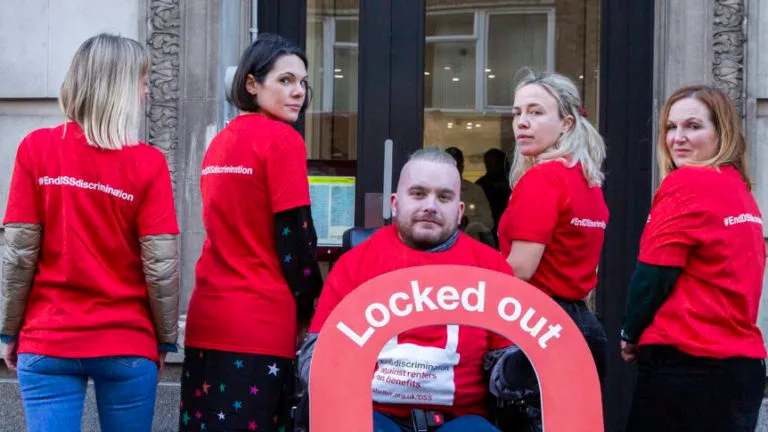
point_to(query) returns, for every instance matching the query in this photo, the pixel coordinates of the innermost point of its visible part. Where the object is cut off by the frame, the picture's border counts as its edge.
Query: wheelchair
(521, 415)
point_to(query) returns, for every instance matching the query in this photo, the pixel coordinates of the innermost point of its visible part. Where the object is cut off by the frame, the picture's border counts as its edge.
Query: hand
(628, 351)
(10, 354)
(160, 363)
(301, 336)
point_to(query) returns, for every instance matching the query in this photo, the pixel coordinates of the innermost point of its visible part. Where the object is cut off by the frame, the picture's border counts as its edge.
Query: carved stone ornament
(728, 44)
(163, 44)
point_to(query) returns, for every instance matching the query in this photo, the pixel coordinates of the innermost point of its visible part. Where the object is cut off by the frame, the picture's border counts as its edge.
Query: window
(514, 41)
(332, 47)
(471, 65)
(493, 45)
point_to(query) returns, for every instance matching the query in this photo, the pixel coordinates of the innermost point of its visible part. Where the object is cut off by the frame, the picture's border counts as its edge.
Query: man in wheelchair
(435, 378)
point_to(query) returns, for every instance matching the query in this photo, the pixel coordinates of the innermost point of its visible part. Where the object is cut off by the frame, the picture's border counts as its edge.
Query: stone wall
(754, 103)
(37, 41)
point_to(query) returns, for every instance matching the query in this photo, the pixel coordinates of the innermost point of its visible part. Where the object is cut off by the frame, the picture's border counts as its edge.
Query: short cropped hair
(258, 60)
(432, 154)
(101, 91)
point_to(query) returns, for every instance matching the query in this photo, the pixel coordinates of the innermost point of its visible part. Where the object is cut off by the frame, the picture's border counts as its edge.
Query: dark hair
(494, 153)
(258, 60)
(457, 154)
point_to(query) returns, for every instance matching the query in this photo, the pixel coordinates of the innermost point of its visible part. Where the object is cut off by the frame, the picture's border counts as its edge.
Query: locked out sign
(366, 321)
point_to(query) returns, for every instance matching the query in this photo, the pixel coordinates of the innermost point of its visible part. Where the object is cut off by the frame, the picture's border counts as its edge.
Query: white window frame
(480, 37)
(329, 55)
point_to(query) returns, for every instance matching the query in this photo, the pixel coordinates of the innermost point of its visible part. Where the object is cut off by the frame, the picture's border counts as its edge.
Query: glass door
(332, 50)
(475, 52)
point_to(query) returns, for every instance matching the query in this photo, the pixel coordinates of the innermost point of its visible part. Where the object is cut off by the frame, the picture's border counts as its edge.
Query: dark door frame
(390, 77)
(287, 18)
(391, 101)
(626, 119)
(391, 91)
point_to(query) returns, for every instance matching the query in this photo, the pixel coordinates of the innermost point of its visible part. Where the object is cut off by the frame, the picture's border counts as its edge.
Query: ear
(393, 204)
(462, 207)
(568, 123)
(251, 85)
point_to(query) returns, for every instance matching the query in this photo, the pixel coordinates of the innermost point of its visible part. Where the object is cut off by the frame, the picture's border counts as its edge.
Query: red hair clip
(582, 111)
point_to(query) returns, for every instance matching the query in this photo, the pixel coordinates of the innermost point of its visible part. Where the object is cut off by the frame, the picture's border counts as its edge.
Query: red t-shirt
(707, 222)
(554, 205)
(89, 297)
(384, 252)
(254, 168)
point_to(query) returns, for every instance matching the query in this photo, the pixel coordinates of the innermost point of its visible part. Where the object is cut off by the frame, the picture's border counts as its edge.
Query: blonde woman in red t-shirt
(553, 229)
(693, 299)
(90, 273)
(257, 277)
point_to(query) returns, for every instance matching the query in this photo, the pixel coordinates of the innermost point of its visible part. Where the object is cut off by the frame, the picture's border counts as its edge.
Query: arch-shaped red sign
(354, 334)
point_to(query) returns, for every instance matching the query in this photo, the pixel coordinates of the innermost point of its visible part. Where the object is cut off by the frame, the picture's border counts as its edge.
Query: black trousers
(677, 392)
(591, 329)
(227, 391)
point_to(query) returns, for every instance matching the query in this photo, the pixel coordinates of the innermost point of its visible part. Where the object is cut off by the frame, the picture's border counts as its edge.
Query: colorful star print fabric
(296, 243)
(224, 391)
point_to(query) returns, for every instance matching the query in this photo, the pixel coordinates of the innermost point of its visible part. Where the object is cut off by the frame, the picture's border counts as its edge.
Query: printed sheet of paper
(333, 207)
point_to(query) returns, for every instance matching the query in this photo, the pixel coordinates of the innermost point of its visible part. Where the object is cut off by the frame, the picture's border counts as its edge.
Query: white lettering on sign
(513, 314)
(384, 315)
(472, 299)
(401, 305)
(396, 310)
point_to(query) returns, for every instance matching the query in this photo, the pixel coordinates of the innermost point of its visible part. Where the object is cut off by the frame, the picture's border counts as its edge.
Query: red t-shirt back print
(89, 296)
(254, 168)
(554, 205)
(707, 222)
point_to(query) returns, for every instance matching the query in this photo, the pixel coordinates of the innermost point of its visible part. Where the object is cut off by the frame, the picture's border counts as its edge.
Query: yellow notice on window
(333, 207)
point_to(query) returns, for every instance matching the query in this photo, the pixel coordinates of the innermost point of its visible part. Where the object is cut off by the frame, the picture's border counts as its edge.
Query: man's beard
(424, 242)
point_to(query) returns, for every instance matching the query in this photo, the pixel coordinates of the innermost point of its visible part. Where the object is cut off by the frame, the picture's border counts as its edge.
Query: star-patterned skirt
(227, 391)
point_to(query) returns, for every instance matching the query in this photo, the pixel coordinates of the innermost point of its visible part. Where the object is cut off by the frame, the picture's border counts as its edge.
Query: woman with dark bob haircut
(693, 299)
(257, 278)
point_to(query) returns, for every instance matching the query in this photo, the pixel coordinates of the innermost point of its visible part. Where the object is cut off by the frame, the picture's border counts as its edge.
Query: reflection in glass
(451, 24)
(450, 81)
(332, 46)
(515, 41)
(471, 63)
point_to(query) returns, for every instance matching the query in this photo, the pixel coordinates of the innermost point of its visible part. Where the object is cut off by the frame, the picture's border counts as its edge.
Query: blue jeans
(53, 392)
(475, 423)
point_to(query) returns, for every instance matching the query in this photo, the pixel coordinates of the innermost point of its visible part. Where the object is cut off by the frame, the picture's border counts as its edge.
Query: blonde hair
(582, 143)
(731, 144)
(101, 91)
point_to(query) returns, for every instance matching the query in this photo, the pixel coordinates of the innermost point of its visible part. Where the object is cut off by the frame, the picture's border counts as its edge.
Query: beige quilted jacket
(159, 255)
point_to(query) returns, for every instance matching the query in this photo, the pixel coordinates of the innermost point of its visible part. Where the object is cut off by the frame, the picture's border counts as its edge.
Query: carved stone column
(163, 40)
(729, 38)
